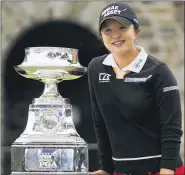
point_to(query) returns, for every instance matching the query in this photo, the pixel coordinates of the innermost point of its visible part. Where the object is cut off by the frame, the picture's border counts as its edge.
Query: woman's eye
(107, 30)
(122, 27)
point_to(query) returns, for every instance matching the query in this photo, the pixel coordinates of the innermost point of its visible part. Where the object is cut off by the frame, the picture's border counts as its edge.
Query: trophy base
(48, 159)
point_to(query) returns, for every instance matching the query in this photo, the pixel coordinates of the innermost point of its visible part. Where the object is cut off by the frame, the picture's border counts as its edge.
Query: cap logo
(111, 10)
(136, 20)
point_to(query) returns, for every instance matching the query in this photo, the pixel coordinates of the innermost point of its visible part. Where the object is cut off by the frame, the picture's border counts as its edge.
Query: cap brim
(121, 20)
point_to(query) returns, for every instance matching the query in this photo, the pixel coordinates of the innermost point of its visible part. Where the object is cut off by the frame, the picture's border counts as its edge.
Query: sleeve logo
(170, 88)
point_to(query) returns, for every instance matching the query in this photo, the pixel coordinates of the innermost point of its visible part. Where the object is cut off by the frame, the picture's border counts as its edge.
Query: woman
(135, 102)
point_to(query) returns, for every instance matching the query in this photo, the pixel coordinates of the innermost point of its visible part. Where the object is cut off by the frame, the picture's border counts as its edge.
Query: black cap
(120, 12)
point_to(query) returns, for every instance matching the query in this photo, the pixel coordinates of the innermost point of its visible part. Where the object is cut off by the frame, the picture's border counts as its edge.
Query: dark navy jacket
(137, 116)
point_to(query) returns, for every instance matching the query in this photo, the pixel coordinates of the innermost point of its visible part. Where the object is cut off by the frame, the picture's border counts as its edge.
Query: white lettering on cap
(111, 12)
(108, 9)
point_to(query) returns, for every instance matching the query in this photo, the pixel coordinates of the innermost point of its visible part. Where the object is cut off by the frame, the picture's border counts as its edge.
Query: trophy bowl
(60, 62)
(50, 143)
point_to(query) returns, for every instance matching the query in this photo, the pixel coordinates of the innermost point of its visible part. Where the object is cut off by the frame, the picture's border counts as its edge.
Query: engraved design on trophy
(50, 143)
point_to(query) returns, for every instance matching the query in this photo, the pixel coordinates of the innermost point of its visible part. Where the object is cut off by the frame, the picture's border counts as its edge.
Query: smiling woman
(135, 104)
(119, 39)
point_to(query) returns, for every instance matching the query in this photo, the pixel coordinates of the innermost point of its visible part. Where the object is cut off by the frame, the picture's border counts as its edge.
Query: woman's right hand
(99, 172)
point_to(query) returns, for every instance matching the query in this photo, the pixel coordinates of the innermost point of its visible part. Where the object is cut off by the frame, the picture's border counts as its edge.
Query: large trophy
(50, 143)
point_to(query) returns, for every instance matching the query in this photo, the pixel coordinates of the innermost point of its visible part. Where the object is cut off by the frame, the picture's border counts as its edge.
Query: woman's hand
(166, 171)
(99, 172)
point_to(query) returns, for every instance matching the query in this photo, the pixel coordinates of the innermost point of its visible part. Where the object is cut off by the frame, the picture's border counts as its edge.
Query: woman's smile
(118, 43)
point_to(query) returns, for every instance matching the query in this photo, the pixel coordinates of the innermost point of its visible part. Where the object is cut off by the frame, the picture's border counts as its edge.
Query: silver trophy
(50, 143)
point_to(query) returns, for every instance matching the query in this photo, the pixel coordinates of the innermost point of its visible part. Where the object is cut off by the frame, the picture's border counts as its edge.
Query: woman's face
(118, 38)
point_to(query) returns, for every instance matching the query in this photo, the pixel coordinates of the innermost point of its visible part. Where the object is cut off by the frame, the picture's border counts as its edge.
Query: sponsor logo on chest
(104, 77)
(142, 79)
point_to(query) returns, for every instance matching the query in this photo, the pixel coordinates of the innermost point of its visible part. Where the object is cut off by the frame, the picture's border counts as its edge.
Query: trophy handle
(20, 71)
